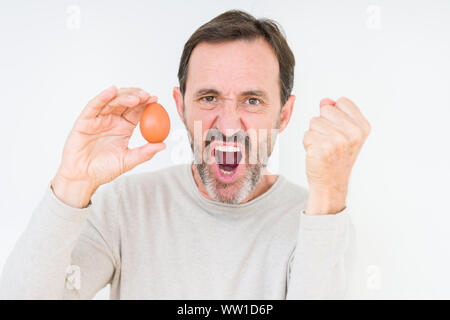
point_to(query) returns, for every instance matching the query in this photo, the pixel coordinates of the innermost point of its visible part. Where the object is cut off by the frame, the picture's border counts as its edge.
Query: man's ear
(178, 97)
(286, 113)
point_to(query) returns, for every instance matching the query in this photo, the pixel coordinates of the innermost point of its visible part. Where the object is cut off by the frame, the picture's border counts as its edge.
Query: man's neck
(264, 184)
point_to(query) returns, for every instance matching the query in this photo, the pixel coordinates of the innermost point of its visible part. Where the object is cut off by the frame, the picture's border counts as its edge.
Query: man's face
(232, 113)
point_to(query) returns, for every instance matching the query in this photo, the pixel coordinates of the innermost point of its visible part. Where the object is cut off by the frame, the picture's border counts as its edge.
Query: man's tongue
(228, 161)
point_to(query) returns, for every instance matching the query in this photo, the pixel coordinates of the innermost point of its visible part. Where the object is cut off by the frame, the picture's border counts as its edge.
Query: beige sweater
(154, 236)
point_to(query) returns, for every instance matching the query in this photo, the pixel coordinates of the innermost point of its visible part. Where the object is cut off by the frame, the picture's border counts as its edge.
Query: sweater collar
(258, 204)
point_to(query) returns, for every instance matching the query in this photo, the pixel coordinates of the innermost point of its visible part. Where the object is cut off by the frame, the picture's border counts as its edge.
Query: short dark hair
(236, 25)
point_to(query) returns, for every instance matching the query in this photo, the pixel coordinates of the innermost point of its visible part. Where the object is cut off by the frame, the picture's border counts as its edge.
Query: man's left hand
(332, 145)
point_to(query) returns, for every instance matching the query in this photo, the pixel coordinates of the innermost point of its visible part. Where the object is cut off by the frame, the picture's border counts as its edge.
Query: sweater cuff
(63, 210)
(336, 221)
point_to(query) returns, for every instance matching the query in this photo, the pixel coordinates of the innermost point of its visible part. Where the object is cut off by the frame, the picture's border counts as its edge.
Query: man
(220, 228)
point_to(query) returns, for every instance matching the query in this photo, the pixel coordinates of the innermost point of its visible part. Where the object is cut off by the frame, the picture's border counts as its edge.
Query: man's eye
(208, 98)
(253, 101)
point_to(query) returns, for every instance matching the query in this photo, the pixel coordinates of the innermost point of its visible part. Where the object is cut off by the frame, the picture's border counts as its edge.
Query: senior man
(221, 227)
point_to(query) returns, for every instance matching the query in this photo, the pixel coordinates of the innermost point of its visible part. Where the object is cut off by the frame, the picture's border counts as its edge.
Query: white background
(391, 57)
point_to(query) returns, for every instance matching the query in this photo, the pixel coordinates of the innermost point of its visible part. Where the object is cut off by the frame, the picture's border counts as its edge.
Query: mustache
(240, 137)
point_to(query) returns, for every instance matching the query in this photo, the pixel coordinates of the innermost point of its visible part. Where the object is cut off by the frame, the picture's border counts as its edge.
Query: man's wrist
(324, 202)
(76, 194)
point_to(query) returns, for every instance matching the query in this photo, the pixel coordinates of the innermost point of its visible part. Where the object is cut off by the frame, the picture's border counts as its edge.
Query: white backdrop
(391, 57)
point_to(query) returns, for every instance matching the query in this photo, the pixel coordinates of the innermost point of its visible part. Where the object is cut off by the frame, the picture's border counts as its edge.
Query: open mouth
(228, 159)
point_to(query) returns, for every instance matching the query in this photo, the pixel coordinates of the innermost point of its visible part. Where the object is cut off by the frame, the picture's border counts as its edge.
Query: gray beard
(218, 190)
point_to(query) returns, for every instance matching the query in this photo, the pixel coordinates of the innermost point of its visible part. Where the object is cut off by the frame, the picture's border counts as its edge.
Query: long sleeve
(63, 253)
(322, 261)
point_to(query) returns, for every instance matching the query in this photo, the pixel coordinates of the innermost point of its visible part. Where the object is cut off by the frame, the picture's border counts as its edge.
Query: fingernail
(133, 98)
(111, 88)
(143, 94)
(327, 101)
(152, 99)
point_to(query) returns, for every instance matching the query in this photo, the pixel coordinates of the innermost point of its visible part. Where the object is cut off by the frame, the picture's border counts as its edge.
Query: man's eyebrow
(202, 92)
(256, 93)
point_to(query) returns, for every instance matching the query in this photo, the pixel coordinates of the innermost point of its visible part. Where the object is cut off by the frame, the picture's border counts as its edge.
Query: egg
(154, 123)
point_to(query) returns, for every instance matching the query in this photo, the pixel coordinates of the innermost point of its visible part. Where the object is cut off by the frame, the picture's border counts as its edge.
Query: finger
(142, 94)
(348, 107)
(95, 105)
(133, 115)
(126, 98)
(327, 101)
(312, 138)
(315, 143)
(326, 128)
(343, 122)
(120, 104)
(141, 154)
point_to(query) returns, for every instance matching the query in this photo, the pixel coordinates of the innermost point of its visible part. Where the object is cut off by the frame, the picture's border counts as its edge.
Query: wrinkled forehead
(233, 66)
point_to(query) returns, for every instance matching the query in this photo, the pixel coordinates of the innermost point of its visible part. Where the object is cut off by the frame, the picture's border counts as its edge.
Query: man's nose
(228, 120)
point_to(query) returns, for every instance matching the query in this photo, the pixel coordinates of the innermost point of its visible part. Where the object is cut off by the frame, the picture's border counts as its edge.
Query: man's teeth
(227, 149)
(226, 172)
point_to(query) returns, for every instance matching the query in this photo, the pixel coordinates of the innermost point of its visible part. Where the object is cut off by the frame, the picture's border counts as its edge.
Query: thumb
(141, 154)
(327, 101)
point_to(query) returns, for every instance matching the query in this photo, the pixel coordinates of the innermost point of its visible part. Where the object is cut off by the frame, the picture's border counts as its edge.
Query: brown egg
(154, 123)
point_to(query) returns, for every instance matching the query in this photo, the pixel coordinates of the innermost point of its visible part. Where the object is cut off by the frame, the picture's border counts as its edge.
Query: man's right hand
(96, 150)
